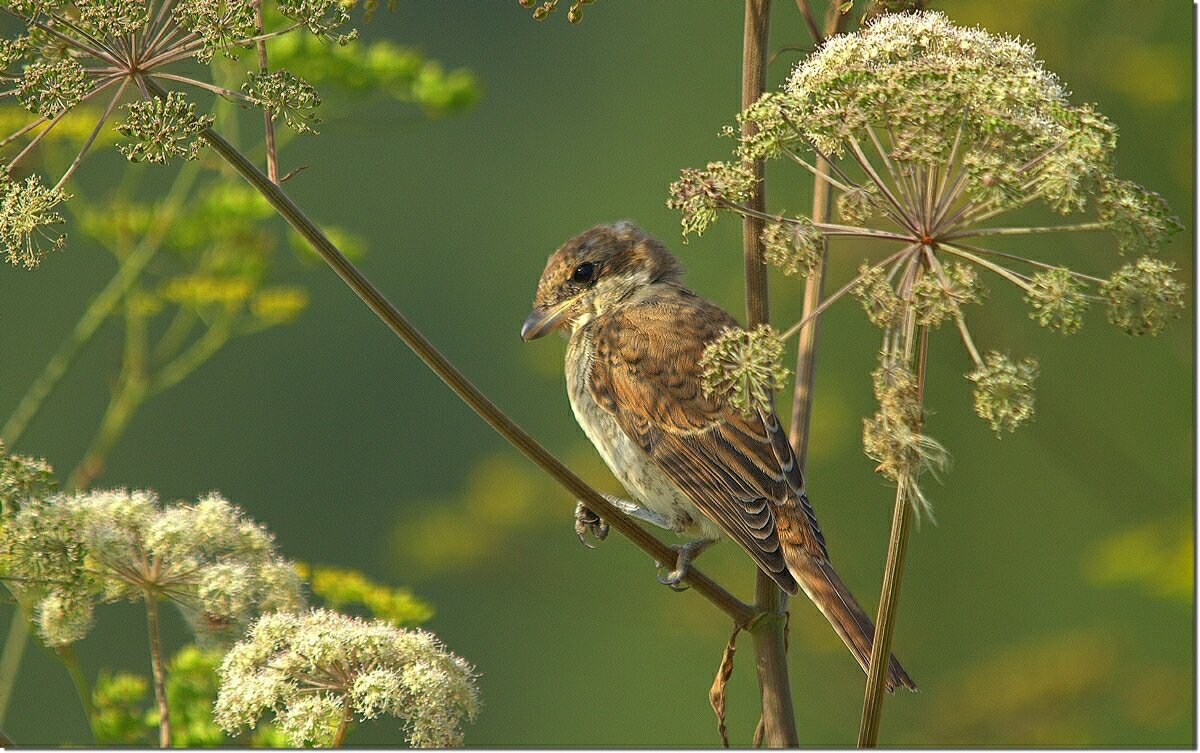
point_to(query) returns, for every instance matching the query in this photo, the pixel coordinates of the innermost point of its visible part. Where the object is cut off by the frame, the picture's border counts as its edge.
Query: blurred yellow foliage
(1158, 556)
(72, 128)
(202, 290)
(279, 304)
(340, 588)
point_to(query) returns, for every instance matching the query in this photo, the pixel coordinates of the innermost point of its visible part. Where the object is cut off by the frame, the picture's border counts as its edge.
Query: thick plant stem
(754, 72)
(885, 618)
(741, 613)
(770, 642)
(339, 736)
(806, 349)
(268, 120)
(10, 657)
(160, 673)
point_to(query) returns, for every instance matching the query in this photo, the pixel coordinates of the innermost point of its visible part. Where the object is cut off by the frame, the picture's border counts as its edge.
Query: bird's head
(596, 270)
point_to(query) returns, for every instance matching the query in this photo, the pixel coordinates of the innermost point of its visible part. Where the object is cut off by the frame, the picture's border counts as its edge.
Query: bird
(693, 463)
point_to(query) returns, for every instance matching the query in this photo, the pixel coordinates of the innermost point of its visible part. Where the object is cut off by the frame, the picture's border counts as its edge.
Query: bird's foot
(684, 554)
(587, 522)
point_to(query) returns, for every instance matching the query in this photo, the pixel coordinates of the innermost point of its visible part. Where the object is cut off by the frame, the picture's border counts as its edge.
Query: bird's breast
(636, 471)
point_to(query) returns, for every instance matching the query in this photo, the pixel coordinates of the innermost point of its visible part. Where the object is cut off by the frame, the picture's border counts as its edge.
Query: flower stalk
(159, 673)
(885, 618)
(769, 631)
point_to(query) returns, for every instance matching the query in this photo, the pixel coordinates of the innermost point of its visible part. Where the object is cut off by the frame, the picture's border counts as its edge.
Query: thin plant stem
(200, 351)
(754, 63)
(132, 390)
(810, 20)
(819, 172)
(825, 227)
(1016, 279)
(806, 349)
(268, 121)
(985, 231)
(91, 139)
(6, 741)
(160, 674)
(959, 320)
(223, 91)
(885, 619)
(1039, 264)
(810, 316)
(23, 130)
(768, 633)
(10, 658)
(740, 612)
(869, 169)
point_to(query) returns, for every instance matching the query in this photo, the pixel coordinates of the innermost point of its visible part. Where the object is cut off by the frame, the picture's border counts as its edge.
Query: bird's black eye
(584, 272)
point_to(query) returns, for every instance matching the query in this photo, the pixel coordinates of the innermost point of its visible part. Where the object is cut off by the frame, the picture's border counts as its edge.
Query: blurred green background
(1052, 604)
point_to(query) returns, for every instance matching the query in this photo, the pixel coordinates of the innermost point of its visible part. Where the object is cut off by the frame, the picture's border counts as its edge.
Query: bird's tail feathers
(833, 598)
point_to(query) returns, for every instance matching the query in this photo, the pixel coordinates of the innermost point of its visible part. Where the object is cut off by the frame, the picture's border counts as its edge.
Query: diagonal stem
(91, 139)
(986, 231)
(810, 314)
(740, 612)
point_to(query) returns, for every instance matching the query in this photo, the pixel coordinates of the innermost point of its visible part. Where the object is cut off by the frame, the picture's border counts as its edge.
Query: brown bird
(695, 464)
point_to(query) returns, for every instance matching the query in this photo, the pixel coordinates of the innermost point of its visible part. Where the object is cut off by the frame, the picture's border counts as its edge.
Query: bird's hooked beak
(543, 321)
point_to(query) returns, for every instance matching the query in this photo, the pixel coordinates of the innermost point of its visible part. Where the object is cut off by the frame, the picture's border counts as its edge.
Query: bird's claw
(674, 579)
(587, 522)
(684, 554)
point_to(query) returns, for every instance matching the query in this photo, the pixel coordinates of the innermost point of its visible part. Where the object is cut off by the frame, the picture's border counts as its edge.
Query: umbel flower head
(319, 671)
(930, 135)
(67, 553)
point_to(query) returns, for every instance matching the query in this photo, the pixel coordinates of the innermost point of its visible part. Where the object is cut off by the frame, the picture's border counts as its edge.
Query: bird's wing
(739, 471)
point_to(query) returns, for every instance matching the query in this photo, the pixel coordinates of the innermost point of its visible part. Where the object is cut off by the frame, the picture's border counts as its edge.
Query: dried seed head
(936, 299)
(285, 95)
(796, 247)
(877, 296)
(894, 436)
(746, 367)
(1004, 391)
(699, 193)
(26, 216)
(1143, 296)
(1058, 301)
(162, 129)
